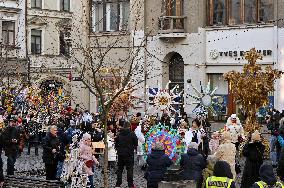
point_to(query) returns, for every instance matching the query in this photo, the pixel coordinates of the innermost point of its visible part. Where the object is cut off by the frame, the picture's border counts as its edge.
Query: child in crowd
(214, 142)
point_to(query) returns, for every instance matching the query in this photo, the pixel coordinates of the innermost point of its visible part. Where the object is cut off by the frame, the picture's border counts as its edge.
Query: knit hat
(158, 146)
(255, 136)
(193, 145)
(234, 116)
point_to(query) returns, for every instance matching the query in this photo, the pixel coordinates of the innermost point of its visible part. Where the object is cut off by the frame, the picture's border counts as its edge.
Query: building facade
(12, 41)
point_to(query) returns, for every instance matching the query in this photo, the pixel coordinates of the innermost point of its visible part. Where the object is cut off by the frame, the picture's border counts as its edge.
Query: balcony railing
(172, 24)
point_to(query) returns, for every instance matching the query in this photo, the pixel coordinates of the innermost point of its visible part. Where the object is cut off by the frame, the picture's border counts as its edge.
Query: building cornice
(49, 13)
(9, 9)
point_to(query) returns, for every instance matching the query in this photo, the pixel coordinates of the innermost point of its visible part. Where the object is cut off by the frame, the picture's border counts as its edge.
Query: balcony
(172, 27)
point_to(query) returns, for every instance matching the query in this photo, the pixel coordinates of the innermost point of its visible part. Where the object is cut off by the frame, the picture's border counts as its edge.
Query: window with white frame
(8, 33)
(110, 15)
(36, 40)
(65, 5)
(36, 3)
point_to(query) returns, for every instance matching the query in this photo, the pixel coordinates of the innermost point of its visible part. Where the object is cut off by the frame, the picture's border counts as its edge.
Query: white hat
(234, 116)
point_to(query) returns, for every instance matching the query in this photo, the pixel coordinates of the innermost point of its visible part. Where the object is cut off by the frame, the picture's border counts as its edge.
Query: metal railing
(172, 24)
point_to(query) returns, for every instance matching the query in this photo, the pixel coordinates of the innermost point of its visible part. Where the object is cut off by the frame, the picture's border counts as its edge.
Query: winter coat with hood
(49, 143)
(266, 175)
(254, 159)
(192, 163)
(125, 143)
(158, 162)
(222, 169)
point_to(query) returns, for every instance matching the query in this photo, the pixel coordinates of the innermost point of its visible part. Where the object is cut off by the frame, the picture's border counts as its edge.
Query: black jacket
(9, 133)
(223, 169)
(192, 165)
(126, 142)
(1, 162)
(267, 175)
(158, 162)
(50, 143)
(280, 169)
(254, 159)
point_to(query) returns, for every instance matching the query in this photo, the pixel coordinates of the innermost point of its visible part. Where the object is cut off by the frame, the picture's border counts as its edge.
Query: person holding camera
(51, 152)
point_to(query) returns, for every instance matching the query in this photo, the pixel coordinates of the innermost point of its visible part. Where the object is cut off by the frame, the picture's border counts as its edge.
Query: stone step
(29, 182)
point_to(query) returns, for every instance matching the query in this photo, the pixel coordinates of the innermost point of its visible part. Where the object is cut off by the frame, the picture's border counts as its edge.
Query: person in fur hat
(227, 151)
(86, 154)
(253, 151)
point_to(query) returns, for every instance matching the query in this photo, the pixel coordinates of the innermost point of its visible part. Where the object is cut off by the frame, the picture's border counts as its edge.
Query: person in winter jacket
(235, 127)
(86, 154)
(158, 162)
(214, 142)
(11, 142)
(32, 131)
(192, 164)
(253, 151)
(280, 169)
(1, 162)
(222, 176)
(227, 151)
(267, 178)
(51, 152)
(208, 171)
(125, 143)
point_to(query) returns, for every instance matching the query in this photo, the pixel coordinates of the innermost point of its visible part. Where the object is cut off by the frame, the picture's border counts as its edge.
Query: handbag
(90, 163)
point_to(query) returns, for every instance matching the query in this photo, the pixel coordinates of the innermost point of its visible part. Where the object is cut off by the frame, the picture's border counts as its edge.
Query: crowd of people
(210, 159)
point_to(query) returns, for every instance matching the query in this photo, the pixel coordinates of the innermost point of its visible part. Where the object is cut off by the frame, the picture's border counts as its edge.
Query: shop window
(110, 15)
(231, 12)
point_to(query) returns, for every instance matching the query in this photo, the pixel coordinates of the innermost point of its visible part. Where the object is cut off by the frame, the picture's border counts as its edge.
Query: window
(223, 12)
(36, 41)
(110, 15)
(65, 5)
(65, 42)
(174, 7)
(8, 33)
(36, 4)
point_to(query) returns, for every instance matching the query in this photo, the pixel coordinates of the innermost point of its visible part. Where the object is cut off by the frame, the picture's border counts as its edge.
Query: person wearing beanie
(125, 143)
(222, 176)
(86, 154)
(267, 178)
(253, 152)
(235, 127)
(227, 151)
(192, 164)
(157, 162)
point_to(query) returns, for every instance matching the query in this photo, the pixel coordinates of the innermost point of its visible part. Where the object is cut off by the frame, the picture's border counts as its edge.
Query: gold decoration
(251, 87)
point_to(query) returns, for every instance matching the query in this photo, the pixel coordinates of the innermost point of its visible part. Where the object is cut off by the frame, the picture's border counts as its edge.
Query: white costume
(111, 149)
(189, 136)
(141, 141)
(236, 129)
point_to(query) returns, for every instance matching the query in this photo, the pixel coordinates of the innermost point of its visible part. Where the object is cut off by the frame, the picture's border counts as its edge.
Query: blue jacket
(158, 162)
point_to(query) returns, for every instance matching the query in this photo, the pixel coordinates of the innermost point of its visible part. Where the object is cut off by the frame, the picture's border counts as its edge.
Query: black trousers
(50, 170)
(127, 162)
(11, 160)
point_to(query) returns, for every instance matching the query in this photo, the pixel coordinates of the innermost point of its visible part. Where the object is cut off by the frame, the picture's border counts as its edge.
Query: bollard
(178, 184)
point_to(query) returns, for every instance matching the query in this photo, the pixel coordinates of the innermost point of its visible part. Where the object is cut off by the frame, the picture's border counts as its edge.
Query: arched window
(176, 71)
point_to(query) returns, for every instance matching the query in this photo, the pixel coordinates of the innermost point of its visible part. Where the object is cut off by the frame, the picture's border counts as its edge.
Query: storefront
(225, 51)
